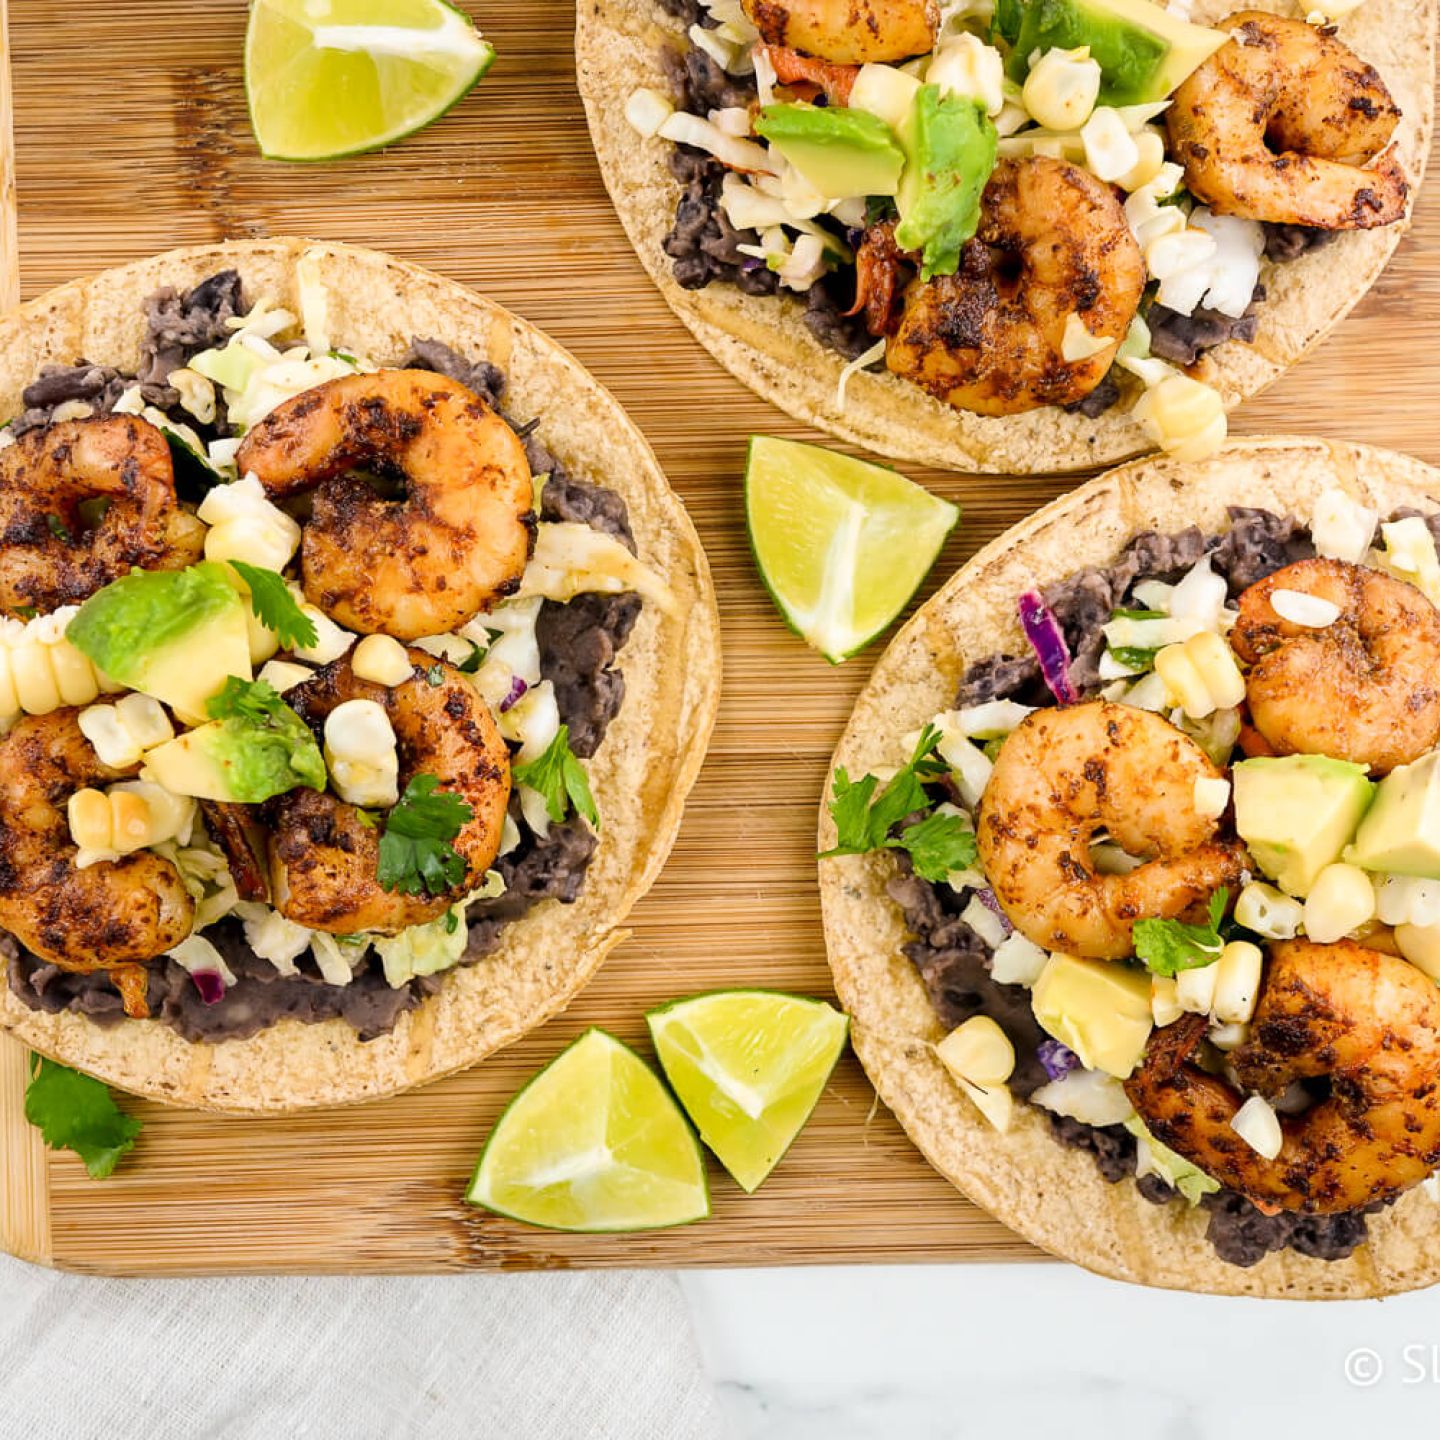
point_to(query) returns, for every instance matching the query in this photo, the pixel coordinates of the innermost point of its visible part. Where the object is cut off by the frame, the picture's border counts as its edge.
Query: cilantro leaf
(275, 606)
(863, 823)
(415, 850)
(435, 676)
(75, 1112)
(59, 529)
(254, 700)
(1170, 946)
(560, 779)
(938, 846)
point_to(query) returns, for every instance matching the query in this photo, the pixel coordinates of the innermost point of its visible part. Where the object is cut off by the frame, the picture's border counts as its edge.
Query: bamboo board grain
(131, 136)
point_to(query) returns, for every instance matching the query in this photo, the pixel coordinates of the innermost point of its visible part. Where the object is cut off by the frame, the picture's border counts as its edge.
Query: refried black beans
(579, 646)
(953, 961)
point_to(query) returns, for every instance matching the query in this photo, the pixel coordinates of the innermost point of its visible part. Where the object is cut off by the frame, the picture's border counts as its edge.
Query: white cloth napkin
(515, 1357)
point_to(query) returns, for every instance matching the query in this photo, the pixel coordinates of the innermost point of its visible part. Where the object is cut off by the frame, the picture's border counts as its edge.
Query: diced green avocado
(1144, 52)
(841, 152)
(949, 145)
(238, 760)
(1099, 1008)
(1401, 832)
(1297, 813)
(173, 634)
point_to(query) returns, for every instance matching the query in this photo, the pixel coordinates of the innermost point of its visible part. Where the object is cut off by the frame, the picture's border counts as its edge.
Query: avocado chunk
(950, 146)
(1099, 1008)
(840, 152)
(1297, 813)
(1144, 53)
(1401, 832)
(256, 747)
(173, 634)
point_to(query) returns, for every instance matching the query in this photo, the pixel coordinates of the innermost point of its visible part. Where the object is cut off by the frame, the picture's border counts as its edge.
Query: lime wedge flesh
(593, 1142)
(327, 78)
(841, 544)
(748, 1066)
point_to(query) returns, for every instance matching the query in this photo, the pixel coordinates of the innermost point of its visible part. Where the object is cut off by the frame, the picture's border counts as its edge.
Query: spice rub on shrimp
(1364, 688)
(49, 556)
(1062, 777)
(1053, 243)
(454, 545)
(850, 32)
(323, 854)
(112, 915)
(1279, 123)
(1367, 1022)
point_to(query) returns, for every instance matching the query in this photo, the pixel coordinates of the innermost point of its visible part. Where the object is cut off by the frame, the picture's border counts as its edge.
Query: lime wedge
(841, 544)
(593, 1142)
(748, 1066)
(327, 78)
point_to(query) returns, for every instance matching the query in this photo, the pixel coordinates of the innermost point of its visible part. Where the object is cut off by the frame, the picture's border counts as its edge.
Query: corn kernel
(1258, 1126)
(1061, 90)
(167, 816)
(9, 700)
(1151, 147)
(284, 675)
(1341, 900)
(1237, 982)
(34, 679)
(1185, 417)
(74, 675)
(978, 1051)
(89, 814)
(1195, 989)
(263, 641)
(995, 1102)
(1269, 912)
(360, 753)
(1110, 149)
(383, 660)
(129, 820)
(1201, 675)
(1165, 1004)
(254, 539)
(145, 720)
(331, 642)
(1420, 945)
(1229, 1036)
(1212, 795)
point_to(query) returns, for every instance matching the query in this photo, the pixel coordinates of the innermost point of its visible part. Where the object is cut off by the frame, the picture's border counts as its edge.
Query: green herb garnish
(938, 844)
(59, 529)
(276, 607)
(1170, 946)
(560, 780)
(435, 676)
(76, 1112)
(415, 850)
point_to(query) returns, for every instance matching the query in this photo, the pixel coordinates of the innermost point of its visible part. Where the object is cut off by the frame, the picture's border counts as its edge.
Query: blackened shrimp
(1365, 687)
(49, 555)
(1366, 1022)
(112, 915)
(1278, 124)
(454, 545)
(1062, 777)
(1053, 247)
(323, 854)
(850, 32)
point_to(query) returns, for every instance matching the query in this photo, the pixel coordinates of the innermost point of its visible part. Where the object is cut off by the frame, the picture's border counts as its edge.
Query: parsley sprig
(560, 779)
(1169, 946)
(76, 1112)
(938, 843)
(276, 607)
(415, 850)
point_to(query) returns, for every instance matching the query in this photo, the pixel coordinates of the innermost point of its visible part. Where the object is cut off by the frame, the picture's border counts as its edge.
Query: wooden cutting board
(131, 136)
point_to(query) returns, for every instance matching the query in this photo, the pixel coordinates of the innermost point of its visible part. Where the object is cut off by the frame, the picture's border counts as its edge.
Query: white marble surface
(998, 1351)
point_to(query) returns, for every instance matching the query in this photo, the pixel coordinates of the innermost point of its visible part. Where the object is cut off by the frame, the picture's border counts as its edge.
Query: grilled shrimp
(1365, 688)
(850, 32)
(1053, 242)
(1367, 1022)
(455, 545)
(323, 855)
(1278, 123)
(1063, 776)
(48, 556)
(112, 915)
